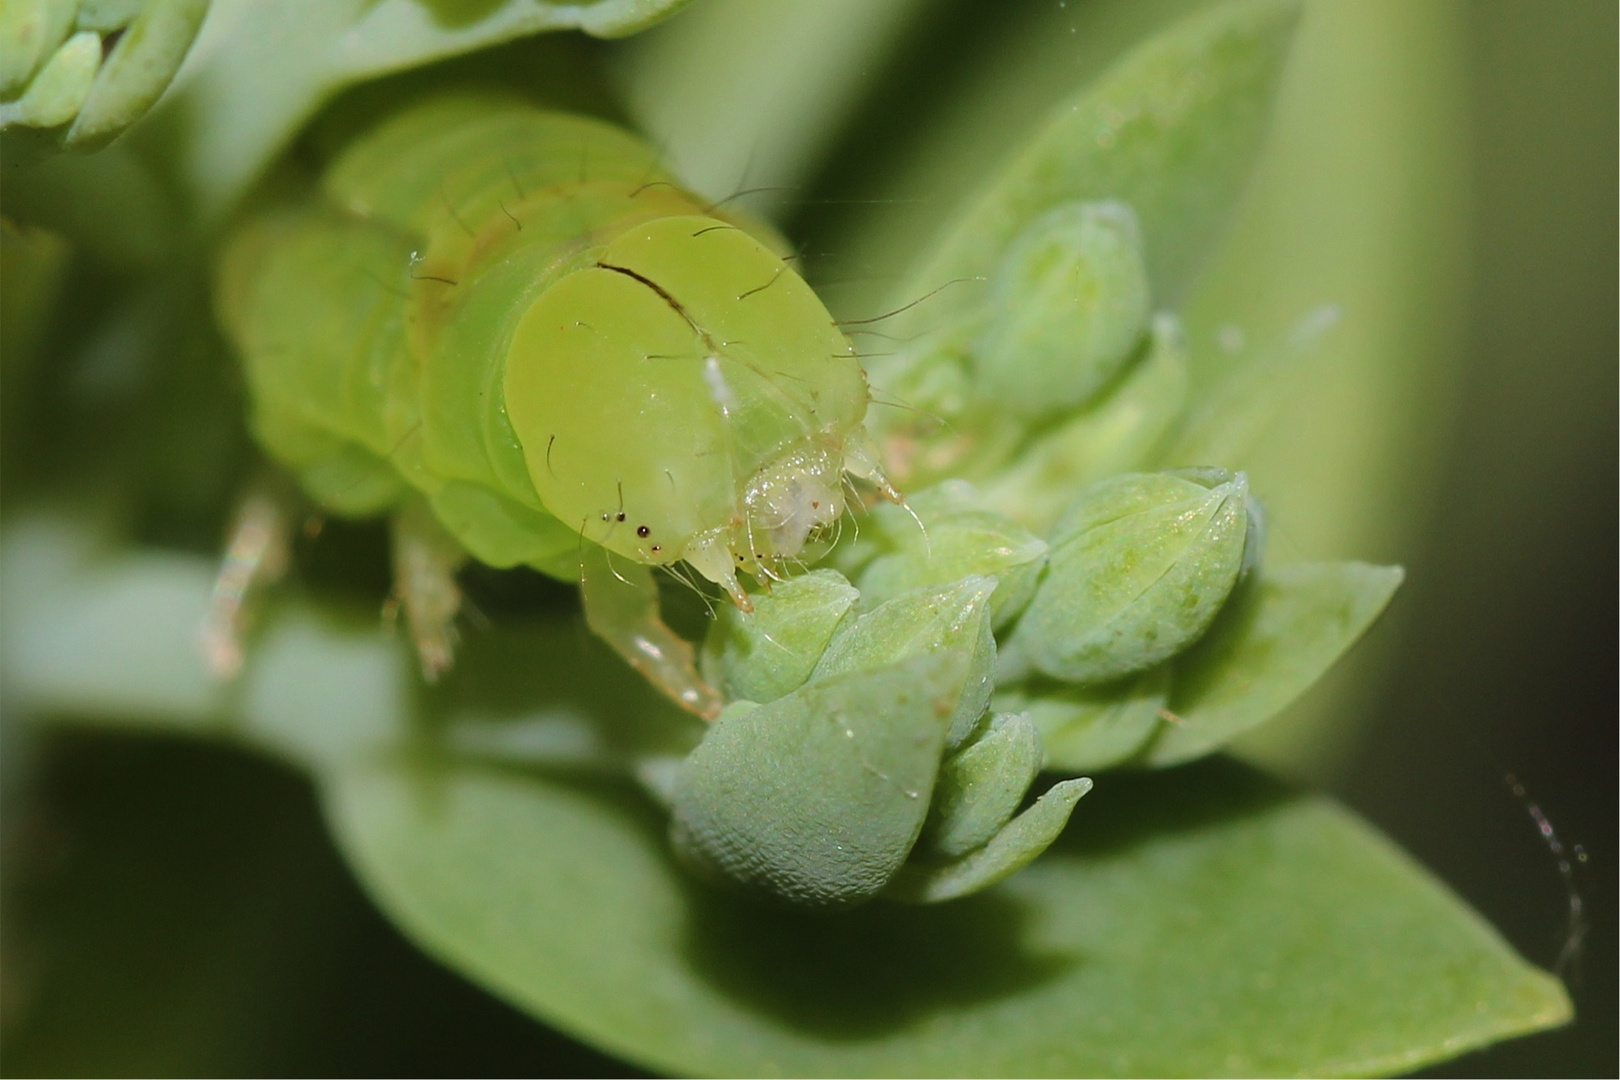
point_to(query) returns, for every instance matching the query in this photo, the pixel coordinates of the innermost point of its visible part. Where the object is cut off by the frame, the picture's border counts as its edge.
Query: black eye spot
(621, 515)
(642, 530)
(657, 548)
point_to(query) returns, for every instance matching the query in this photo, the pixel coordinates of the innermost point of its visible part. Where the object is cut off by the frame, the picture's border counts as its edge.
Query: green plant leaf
(1206, 922)
(1201, 921)
(1172, 131)
(1277, 638)
(740, 94)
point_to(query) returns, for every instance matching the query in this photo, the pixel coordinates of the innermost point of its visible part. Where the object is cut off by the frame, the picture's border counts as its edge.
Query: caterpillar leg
(621, 608)
(255, 557)
(426, 558)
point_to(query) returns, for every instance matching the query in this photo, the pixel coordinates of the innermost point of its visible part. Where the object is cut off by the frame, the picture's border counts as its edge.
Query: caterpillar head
(683, 395)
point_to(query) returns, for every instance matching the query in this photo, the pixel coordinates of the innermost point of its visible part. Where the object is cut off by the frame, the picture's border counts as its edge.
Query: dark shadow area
(954, 36)
(518, 687)
(1508, 665)
(134, 396)
(558, 70)
(877, 969)
(864, 973)
(175, 909)
(340, 561)
(518, 591)
(1128, 809)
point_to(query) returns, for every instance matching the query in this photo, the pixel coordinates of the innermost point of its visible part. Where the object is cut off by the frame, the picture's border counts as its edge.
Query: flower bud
(949, 540)
(764, 654)
(1119, 433)
(981, 785)
(1139, 567)
(1068, 303)
(53, 75)
(818, 797)
(952, 619)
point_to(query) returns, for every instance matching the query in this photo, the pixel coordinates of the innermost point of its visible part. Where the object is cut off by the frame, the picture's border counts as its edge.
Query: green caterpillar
(517, 320)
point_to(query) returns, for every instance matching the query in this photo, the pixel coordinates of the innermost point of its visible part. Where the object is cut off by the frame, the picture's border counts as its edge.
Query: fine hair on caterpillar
(511, 331)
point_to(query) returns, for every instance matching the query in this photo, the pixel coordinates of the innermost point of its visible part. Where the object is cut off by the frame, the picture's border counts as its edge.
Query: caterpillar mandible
(513, 330)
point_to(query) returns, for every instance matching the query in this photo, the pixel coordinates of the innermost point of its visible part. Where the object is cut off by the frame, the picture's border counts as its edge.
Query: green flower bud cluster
(1139, 568)
(1057, 367)
(1071, 301)
(866, 761)
(885, 727)
(860, 754)
(84, 70)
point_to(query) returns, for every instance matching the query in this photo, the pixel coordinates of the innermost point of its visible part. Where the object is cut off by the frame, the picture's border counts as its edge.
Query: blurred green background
(173, 908)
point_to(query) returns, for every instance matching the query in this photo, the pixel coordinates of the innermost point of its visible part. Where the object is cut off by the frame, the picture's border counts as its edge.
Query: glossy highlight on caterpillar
(517, 320)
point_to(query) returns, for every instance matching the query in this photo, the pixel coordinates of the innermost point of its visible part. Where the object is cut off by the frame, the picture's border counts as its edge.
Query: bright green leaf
(1279, 636)
(1203, 921)
(1199, 923)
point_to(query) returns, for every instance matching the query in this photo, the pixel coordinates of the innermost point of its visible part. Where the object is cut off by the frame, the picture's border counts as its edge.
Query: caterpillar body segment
(515, 318)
